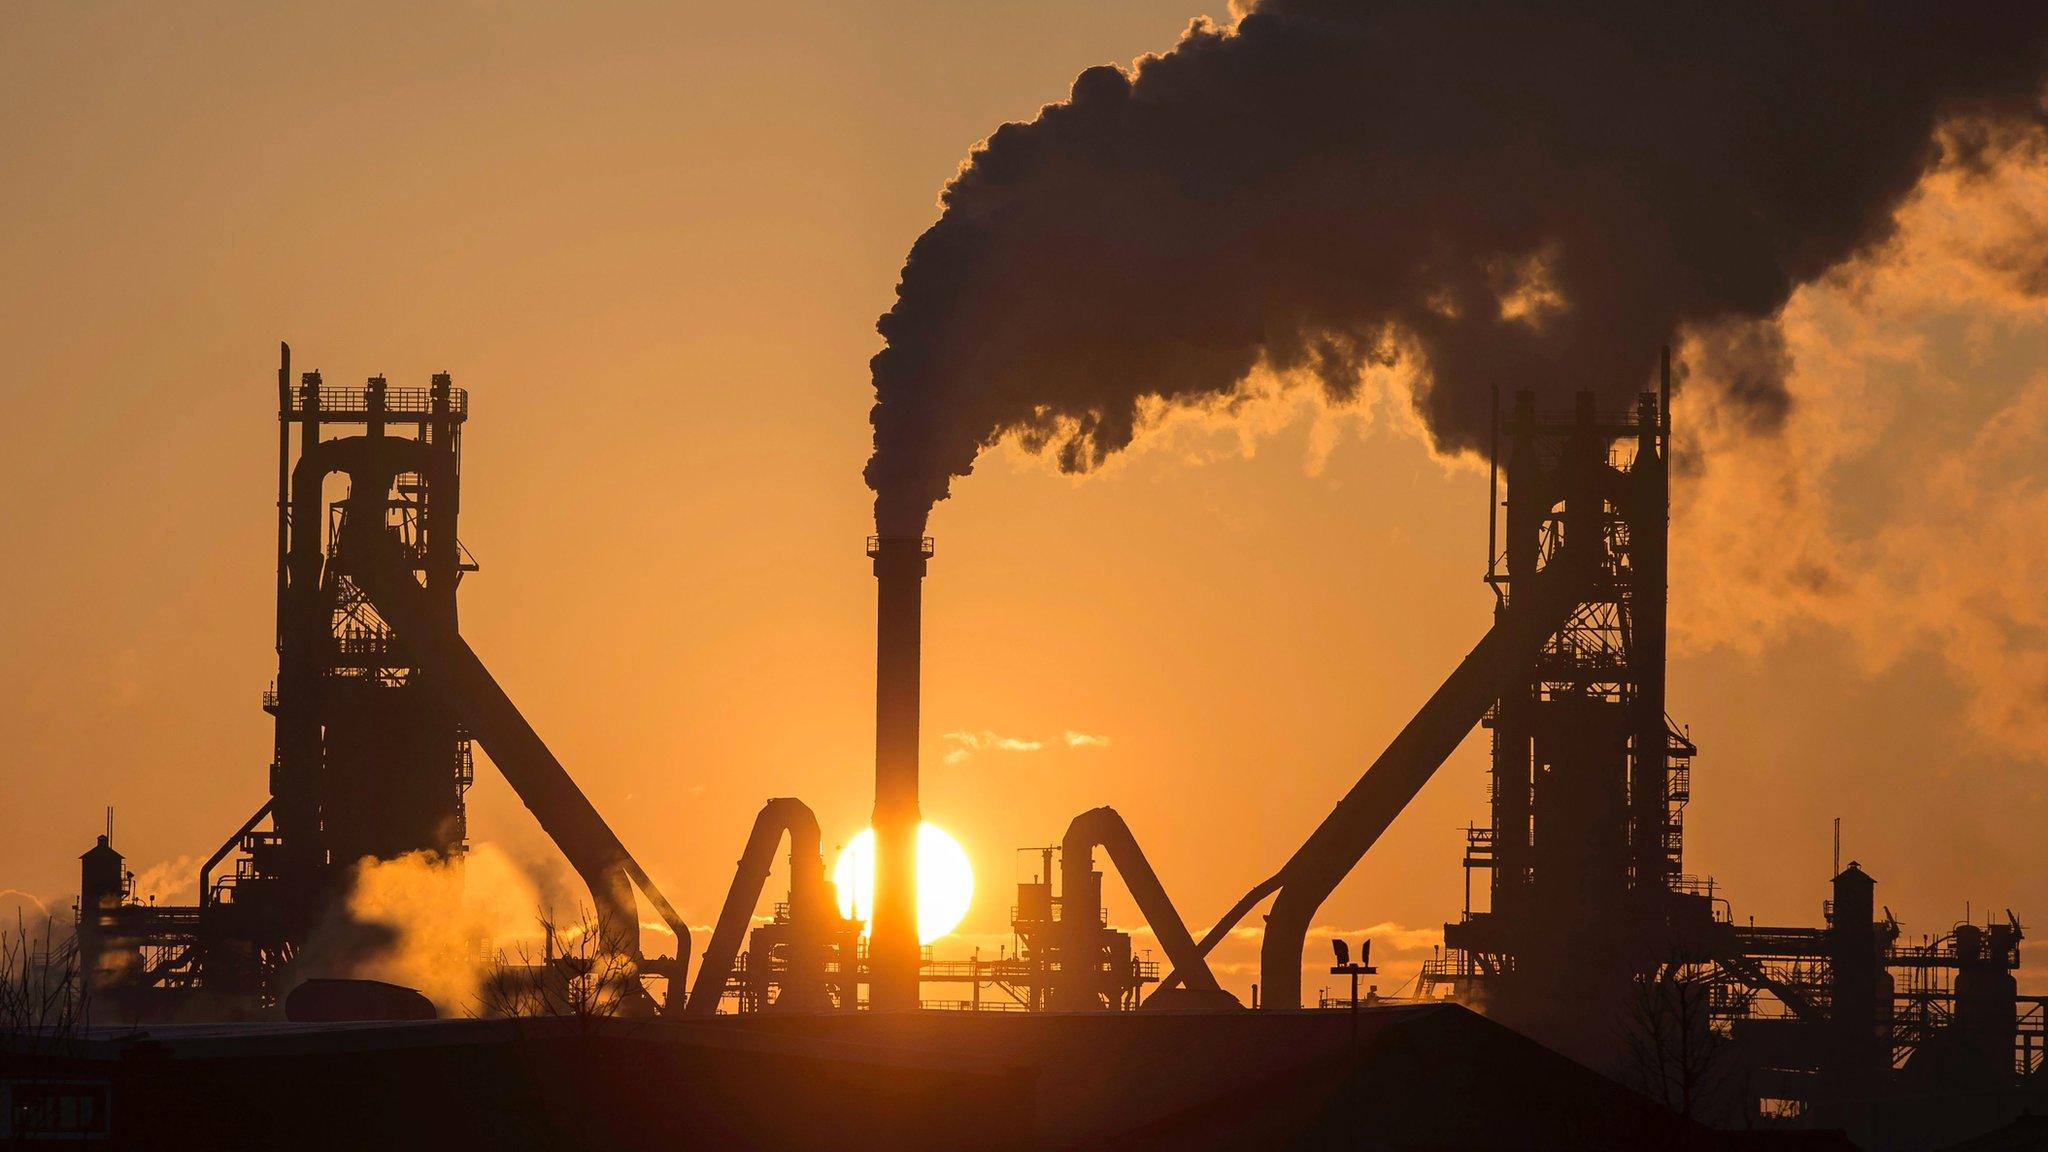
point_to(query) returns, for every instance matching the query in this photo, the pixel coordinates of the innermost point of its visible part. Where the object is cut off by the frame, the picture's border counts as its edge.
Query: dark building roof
(2027, 1133)
(1418, 1077)
(101, 851)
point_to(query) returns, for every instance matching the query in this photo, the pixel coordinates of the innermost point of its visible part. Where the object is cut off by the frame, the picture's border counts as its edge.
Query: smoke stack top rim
(896, 545)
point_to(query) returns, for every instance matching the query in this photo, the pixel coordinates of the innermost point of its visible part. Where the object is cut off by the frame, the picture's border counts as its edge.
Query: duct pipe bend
(367, 460)
(1410, 760)
(1104, 827)
(372, 463)
(369, 554)
(781, 816)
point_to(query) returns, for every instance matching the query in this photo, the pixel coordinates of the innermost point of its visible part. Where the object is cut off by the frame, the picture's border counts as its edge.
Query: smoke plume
(1510, 195)
(1901, 503)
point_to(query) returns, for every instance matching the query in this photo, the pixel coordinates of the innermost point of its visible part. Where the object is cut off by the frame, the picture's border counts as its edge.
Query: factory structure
(376, 705)
(1580, 912)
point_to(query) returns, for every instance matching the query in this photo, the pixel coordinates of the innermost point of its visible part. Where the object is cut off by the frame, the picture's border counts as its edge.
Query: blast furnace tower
(365, 763)
(1589, 775)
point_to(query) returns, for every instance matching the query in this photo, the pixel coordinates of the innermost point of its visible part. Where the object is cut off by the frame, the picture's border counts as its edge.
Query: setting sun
(945, 880)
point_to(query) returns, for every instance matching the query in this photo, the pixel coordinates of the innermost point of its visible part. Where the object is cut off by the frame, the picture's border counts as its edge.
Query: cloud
(1388, 937)
(964, 745)
(1398, 951)
(1902, 502)
(1386, 934)
(967, 744)
(26, 913)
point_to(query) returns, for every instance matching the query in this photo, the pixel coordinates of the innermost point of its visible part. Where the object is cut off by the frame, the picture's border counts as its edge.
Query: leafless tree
(1673, 1049)
(575, 981)
(44, 994)
(45, 1002)
(576, 977)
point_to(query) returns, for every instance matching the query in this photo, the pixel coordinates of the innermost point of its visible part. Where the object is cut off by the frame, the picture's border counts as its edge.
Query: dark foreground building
(1395, 1078)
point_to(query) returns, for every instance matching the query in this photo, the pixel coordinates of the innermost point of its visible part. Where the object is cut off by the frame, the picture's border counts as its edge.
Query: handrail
(336, 399)
(925, 544)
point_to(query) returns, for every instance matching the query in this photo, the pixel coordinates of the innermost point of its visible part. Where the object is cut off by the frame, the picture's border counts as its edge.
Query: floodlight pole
(1354, 971)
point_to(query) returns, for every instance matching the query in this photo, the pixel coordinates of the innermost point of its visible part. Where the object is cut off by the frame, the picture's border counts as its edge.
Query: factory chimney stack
(893, 953)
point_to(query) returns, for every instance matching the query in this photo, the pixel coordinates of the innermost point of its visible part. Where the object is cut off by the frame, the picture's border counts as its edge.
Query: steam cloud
(1528, 196)
(1907, 486)
(429, 924)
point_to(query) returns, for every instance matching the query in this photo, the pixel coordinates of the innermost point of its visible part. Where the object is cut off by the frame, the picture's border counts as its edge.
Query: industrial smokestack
(893, 956)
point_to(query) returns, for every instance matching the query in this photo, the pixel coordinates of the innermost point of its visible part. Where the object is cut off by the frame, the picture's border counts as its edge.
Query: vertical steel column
(1649, 528)
(303, 628)
(284, 480)
(1528, 501)
(443, 498)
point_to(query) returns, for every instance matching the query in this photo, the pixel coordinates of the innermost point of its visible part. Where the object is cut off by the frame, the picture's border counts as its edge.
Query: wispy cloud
(990, 741)
(1397, 949)
(17, 896)
(963, 745)
(966, 744)
(1386, 936)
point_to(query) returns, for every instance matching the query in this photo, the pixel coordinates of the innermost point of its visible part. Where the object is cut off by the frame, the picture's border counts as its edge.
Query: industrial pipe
(1081, 911)
(894, 957)
(808, 907)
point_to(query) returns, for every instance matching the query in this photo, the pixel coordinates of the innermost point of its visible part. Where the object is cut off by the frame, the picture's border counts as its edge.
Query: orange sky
(652, 241)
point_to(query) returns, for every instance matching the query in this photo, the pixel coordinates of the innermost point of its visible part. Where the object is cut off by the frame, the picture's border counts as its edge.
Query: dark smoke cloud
(1528, 195)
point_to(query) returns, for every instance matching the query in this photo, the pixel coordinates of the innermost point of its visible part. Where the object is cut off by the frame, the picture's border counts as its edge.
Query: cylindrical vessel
(893, 955)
